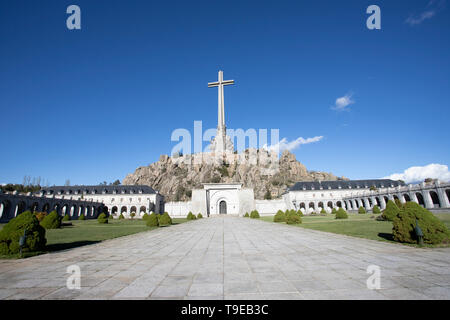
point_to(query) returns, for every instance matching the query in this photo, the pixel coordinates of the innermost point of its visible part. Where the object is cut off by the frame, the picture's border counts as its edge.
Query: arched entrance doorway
(222, 207)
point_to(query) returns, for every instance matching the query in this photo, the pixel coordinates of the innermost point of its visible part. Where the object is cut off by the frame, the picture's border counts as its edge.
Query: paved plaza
(231, 258)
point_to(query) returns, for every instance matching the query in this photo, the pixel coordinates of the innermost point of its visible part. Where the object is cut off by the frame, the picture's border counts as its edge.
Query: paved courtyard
(231, 258)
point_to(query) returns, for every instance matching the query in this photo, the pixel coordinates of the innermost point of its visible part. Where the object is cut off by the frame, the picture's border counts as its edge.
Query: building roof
(345, 184)
(99, 189)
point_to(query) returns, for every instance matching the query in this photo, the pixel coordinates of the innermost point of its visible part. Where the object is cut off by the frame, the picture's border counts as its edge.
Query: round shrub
(341, 214)
(145, 216)
(246, 215)
(254, 214)
(121, 216)
(293, 218)
(361, 210)
(66, 218)
(376, 209)
(323, 211)
(14, 229)
(81, 217)
(102, 218)
(280, 216)
(51, 221)
(391, 211)
(165, 220)
(199, 216)
(190, 216)
(434, 231)
(334, 211)
(132, 215)
(300, 213)
(152, 220)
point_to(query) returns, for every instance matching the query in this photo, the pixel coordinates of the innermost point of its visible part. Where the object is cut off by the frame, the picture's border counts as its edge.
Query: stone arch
(35, 207)
(114, 210)
(370, 202)
(395, 197)
(311, 205)
(435, 199)
(407, 197)
(377, 199)
(339, 204)
(65, 209)
(302, 205)
(357, 203)
(133, 209)
(142, 209)
(20, 207)
(386, 199)
(420, 199)
(320, 205)
(57, 208)
(330, 204)
(73, 210)
(123, 209)
(447, 193)
(5, 206)
(46, 207)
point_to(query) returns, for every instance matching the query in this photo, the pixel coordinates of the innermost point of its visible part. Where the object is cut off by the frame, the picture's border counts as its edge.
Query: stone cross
(221, 107)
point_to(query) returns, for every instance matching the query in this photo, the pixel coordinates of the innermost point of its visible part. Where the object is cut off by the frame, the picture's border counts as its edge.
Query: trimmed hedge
(361, 210)
(66, 217)
(323, 211)
(341, 214)
(121, 216)
(391, 211)
(246, 215)
(102, 218)
(293, 218)
(51, 221)
(280, 216)
(152, 220)
(82, 217)
(434, 231)
(145, 216)
(191, 216)
(300, 213)
(199, 216)
(165, 220)
(14, 229)
(376, 209)
(333, 211)
(254, 214)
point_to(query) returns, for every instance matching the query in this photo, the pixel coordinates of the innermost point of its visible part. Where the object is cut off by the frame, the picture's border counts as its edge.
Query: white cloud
(418, 174)
(431, 10)
(343, 102)
(284, 144)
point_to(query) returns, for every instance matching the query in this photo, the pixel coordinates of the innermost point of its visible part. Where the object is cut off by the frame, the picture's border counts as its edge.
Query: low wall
(270, 207)
(178, 208)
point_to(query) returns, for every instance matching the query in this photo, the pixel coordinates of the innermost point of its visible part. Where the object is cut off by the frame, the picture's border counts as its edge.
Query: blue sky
(91, 105)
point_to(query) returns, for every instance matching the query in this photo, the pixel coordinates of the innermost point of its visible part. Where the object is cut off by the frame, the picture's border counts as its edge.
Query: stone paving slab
(231, 258)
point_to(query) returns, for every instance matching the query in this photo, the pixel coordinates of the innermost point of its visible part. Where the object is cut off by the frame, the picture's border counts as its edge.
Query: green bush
(132, 215)
(323, 211)
(246, 215)
(102, 218)
(121, 216)
(254, 214)
(51, 221)
(81, 217)
(199, 216)
(404, 223)
(14, 229)
(391, 211)
(361, 210)
(280, 216)
(341, 214)
(66, 217)
(300, 213)
(293, 218)
(145, 216)
(376, 209)
(398, 203)
(190, 216)
(165, 220)
(152, 220)
(334, 211)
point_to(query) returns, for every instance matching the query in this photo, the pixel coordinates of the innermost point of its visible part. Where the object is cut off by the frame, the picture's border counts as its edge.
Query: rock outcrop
(269, 176)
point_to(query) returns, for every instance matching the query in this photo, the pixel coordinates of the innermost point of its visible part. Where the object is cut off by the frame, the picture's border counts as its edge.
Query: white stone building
(118, 199)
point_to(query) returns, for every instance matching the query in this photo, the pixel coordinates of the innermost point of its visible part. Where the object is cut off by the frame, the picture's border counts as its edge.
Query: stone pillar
(382, 203)
(428, 201)
(443, 198)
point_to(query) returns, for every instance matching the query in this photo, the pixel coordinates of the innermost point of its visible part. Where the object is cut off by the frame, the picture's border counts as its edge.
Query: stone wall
(270, 207)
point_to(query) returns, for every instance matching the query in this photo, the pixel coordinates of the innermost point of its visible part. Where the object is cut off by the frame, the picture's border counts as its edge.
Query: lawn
(86, 232)
(357, 225)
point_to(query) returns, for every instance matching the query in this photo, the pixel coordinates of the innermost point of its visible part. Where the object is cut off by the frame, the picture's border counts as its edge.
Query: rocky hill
(175, 177)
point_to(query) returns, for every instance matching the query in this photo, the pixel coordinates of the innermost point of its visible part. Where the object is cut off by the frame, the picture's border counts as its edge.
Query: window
(112, 200)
